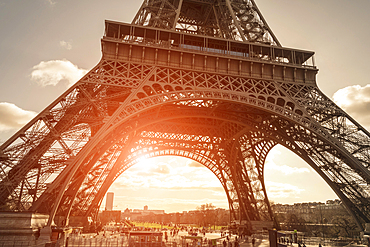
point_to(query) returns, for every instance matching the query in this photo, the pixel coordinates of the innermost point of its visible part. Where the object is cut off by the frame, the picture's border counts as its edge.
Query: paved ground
(116, 239)
(242, 243)
(258, 243)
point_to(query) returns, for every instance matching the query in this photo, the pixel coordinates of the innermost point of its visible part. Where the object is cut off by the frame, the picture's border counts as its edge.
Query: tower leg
(45, 236)
(366, 235)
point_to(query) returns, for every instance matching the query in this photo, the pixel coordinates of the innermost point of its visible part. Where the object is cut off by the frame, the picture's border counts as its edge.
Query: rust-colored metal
(206, 80)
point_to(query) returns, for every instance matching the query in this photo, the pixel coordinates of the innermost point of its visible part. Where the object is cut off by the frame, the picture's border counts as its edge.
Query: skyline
(49, 44)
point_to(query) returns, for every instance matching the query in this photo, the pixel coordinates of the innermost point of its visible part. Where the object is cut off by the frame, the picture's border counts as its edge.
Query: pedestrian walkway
(258, 243)
(120, 240)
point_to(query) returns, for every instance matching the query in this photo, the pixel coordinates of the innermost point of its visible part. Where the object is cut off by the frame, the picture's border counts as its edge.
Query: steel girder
(229, 19)
(201, 143)
(74, 137)
(224, 109)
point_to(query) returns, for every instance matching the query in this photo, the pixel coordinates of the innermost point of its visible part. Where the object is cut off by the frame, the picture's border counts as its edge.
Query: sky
(47, 45)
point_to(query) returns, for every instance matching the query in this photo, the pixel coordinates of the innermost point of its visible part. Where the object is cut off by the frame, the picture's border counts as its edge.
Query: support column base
(20, 228)
(45, 236)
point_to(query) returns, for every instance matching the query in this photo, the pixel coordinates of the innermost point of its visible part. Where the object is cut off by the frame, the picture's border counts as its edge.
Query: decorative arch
(162, 76)
(250, 132)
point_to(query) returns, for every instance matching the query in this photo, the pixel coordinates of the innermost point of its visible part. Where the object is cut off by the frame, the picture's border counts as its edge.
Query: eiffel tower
(202, 79)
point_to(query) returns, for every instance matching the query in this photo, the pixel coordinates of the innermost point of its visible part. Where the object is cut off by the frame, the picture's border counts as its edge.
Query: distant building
(110, 216)
(218, 216)
(137, 214)
(146, 211)
(309, 211)
(109, 201)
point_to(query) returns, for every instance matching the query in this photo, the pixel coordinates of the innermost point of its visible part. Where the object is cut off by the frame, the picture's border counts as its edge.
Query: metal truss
(229, 19)
(203, 144)
(225, 108)
(73, 121)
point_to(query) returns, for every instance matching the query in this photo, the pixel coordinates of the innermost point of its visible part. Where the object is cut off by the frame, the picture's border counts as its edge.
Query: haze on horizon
(47, 45)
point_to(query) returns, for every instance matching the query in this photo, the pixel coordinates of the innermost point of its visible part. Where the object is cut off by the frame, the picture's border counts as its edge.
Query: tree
(207, 214)
(205, 207)
(345, 223)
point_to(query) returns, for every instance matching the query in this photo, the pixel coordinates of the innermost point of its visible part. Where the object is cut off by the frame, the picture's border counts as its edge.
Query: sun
(143, 162)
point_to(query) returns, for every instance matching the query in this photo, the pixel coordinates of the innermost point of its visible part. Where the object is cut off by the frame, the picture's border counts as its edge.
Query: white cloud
(65, 44)
(194, 164)
(161, 169)
(13, 117)
(51, 2)
(285, 169)
(165, 181)
(174, 174)
(282, 190)
(355, 100)
(56, 71)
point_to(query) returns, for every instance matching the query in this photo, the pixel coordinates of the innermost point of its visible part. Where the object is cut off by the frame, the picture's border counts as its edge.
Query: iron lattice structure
(202, 79)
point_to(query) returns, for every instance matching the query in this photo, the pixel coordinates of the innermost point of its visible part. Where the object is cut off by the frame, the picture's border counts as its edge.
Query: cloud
(163, 180)
(65, 44)
(51, 2)
(195, 164)
(161, 169)
(282, 190)
(287, 170)
(275, 154)
(56, 71)
(13, 117)
(184, 187)
(355, 100)
(177, 176)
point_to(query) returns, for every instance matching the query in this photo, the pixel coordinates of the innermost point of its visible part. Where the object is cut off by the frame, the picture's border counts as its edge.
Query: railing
(75, 240)
(245, 55)
(128, 33)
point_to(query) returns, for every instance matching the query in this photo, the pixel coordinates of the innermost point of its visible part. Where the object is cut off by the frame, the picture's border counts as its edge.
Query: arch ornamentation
(255, 118)
(223, 93)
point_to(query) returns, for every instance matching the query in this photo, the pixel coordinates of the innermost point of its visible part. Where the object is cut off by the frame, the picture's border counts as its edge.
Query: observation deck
(181, 50)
